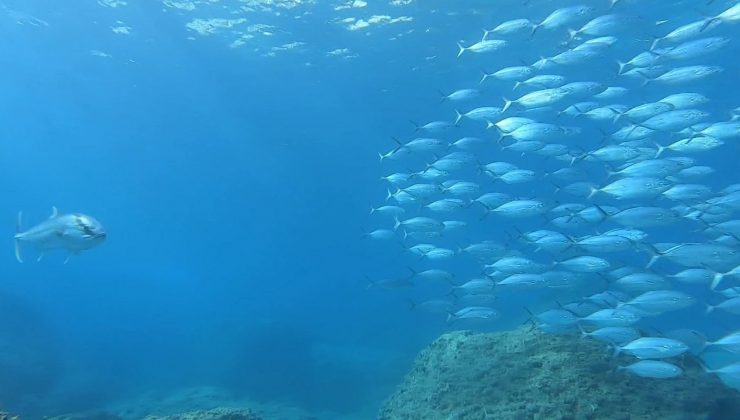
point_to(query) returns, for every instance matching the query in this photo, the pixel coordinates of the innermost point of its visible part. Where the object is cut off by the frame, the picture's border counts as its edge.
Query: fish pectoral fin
(70, 254)
(54, 212)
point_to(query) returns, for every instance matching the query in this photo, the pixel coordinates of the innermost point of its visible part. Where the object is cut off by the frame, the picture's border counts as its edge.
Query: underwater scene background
(230, 149)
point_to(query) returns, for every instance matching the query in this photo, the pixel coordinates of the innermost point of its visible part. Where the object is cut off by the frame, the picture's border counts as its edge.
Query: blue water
(233, 188)
(234, 185)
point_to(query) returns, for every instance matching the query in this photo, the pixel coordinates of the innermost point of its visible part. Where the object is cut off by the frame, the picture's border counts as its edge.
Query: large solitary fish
(71, 232)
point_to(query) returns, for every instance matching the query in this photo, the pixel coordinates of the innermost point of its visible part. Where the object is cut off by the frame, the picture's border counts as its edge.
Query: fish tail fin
(458, 117)
(716, 280)
(582, 156)
(507, 105)
(617, 115)
(655, 254)
(462, 49)
(530, 319)
(501, 134)
(654, 45)
(621, 65)
(703, 365)
(18, 227)
(443, 95)
(646, 79)
(516, 85)
(412, 304)
(659, 150)
(484, 77)
(593, 192)
(557, 187)
(572, 33)
(617, 350)
(370, 282)
(709, 310)
(534, 30)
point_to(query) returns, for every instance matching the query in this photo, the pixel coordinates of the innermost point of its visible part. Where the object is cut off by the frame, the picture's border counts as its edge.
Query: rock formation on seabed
(527, 374)
(220, 413)
(215, 414)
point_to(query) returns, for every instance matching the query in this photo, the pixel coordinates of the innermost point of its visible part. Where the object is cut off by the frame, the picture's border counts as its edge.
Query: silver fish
(684, 74)
(586, 264)
(520, 208)
(518, 176)
(543, 81)
(510, 27)
(537, 99)
(654, 348)
(641, 282)
(71, 232)
(473, 312)
(685, 32)
(515, 73)
(730, 342)
(484, 113)
(613, 335)
(562, 17)
(638, 187)
(461, 95)
(482, 46)
(675, 120)
(507, 125)
(696, 48)
(606, 25)
(381, 234)
(653, 369)
(611, 318)
(654, 302)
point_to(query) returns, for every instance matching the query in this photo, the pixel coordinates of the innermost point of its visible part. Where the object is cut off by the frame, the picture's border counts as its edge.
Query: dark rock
(546, 376)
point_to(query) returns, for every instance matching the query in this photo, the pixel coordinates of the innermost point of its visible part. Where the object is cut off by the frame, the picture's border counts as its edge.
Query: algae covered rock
(527, 374)
(215, 414)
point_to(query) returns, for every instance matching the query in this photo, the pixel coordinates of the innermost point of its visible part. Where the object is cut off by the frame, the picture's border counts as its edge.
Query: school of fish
(581, 185)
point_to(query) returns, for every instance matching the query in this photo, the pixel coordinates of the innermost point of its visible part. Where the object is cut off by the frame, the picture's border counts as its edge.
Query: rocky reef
(527, 374)
(6, 416)
(221, 413)
(215, 414)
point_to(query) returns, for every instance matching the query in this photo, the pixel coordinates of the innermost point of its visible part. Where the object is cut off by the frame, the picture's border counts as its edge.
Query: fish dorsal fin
(54, 212)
